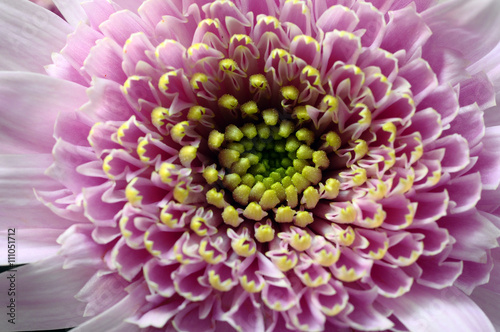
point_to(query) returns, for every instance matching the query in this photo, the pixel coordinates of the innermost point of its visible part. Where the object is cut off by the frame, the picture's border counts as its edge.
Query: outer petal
(447, 310)
(32, 244)
(113, 319)
(477, 20)
(30, 104)
(71, 10)
(489, 302)
(29, 35)
(19, 207)
(42, 289)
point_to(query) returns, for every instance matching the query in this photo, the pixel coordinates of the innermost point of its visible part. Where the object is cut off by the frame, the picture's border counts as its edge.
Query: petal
(105, 61)
(447, 310)
(106, 102)
(406, 30)
(40, 284)
(465, 192)
(30, 104)
(28, 29)
(474, 20)
(468, 123)
(33, 244)
(489, 302)
(113, 319)
(19, 207)
(474, 234)
(477, 89)
(131, 5)
(98, 11)
(488, 163)
(101, 292)
(421, 4)
(71, 10)
(490, 64)
(121, 25)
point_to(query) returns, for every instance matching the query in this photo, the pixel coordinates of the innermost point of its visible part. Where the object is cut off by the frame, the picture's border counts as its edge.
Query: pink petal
(406, 30)
(98, 11)
(71, 10)
(489, 302)
(474, 234)
(105, 61)
(447, 310)
(28, 123)
(131, 5)
(488, 163)
(477, 89)
(44, 282)
(19, 207)
(106, 102)
(464, 191)
(363, 314)
(101, 292)
(476, 18)
(113, 319)
(79, 249)
(36, 244)
(121, 25)
(469, 123)
(29, 29)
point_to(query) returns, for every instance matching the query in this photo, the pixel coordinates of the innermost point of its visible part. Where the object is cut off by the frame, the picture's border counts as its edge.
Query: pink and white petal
(405, 22)
(465, 192)
(33, 244)
(489, 302)
(477, 89)
(78, 248)
(19, 207)
(113, 319)
(266, 7)
(121, 25)
(476, 19)
(473, 275)
(488, 163)
(39, 284)
(363, 313)
(466, 45)
(131, 5)
(490, 64)
(29, 108)
(245, 314)
(474, 234)
(446, 310)
(99, 108)
(98, 11)
(101, 292)
(72, 11)
(28, 29)
(421, 4)
(494, 281)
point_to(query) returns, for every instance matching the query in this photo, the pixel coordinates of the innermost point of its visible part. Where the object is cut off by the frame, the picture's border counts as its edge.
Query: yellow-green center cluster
(269, 163)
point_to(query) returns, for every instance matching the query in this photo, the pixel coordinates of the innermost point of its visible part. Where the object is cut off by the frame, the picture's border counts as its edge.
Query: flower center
(268, 161)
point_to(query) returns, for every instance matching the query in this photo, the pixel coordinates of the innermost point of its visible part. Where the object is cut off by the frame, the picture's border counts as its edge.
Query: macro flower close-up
(250, 165)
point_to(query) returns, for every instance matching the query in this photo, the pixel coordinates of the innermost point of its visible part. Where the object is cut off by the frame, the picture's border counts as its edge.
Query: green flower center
(271, 161)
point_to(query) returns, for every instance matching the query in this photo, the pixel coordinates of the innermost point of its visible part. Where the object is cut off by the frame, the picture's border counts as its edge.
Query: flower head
(273, 166)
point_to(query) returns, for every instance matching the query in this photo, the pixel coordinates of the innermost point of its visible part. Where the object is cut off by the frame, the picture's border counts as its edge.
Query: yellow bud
(231, 217)
(264, 233)
(284, 214)
(187, 154)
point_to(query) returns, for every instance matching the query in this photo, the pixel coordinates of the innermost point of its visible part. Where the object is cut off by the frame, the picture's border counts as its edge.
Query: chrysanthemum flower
(252, 165)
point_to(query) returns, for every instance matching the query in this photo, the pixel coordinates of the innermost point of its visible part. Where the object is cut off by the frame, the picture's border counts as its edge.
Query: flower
(273, 166)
